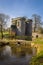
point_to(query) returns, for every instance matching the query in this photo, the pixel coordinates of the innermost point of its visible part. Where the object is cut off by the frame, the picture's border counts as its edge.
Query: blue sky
(15, 8)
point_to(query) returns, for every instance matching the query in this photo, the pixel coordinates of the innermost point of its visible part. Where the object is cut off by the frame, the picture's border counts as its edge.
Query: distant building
(22, 27)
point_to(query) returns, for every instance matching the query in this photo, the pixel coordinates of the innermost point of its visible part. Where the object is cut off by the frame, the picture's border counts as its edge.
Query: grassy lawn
(37, 60)
(38, 40)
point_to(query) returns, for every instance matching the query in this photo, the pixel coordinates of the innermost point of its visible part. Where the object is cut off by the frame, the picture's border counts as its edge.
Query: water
(7, 51)
(9, 59)
(16, 61)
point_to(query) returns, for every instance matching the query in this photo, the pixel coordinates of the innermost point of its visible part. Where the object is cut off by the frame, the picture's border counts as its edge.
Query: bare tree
(36, 22)
(3, 20)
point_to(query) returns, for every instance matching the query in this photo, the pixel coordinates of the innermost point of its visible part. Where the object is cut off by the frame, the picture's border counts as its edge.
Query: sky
(17, 8)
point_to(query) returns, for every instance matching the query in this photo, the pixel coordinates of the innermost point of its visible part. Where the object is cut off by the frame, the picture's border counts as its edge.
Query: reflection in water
(13, 60)
(6, 51)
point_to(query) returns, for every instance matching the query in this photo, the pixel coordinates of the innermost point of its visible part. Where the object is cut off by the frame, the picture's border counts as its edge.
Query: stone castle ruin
(22, 27)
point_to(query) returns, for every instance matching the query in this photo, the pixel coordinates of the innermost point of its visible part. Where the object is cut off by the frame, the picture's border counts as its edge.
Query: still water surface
(9, 59)
(16, 61)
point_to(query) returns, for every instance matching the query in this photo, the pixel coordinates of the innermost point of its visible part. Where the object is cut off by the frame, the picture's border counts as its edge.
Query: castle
(22, 27)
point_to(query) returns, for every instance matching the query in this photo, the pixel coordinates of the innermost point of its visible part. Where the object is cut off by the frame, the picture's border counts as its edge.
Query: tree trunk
(1, 32)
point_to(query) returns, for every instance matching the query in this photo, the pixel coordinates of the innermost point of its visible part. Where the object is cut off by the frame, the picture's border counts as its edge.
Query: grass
(37, 60)
(38, 40)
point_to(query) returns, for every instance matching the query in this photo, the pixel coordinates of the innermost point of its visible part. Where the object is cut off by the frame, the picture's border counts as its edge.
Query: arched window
(18, 23)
